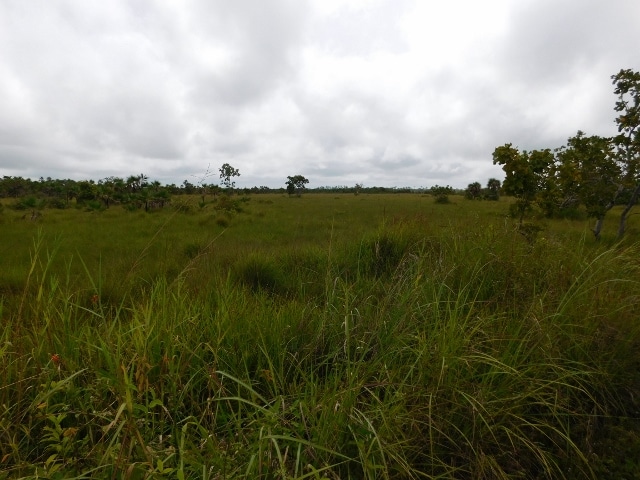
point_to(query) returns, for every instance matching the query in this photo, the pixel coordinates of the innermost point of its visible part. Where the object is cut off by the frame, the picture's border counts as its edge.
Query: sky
(394, 93)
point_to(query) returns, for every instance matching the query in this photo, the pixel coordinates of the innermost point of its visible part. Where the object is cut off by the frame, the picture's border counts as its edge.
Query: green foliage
(296, 184)
(441, 194)
(493, 189)
(627, 88)
(228, 204)
(473, 191)
(227, 173)
(527, 177)
(58, 203)
(28, 203)
(593, 172)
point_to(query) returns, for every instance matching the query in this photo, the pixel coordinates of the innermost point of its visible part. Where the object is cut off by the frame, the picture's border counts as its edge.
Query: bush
(28, 203)
(441, 194)
(228, 204)
(57, 203)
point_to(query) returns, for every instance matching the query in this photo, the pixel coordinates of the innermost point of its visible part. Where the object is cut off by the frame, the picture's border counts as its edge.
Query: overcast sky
(380, 92)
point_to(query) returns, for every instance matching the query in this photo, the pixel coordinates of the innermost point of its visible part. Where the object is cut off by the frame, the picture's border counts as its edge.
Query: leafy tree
(589, 174)
(493, 189)
(296, 184)
(227, 172)
(519, 180)
(527, 176)
(627, 87)
(87, 191)
(473, 191)
(106, 191)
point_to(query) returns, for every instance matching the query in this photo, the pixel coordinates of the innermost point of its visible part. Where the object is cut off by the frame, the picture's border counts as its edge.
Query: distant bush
(228, 204)
(28, 203)
(441, 194)
(57, 203)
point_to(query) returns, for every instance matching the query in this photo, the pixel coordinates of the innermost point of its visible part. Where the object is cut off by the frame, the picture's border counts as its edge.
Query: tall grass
(419, 348)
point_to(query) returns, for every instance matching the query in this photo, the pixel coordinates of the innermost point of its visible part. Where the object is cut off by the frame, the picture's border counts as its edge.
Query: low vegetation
(325, 337)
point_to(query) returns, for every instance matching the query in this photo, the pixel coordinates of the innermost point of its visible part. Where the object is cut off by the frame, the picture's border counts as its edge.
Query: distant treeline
(136, 191)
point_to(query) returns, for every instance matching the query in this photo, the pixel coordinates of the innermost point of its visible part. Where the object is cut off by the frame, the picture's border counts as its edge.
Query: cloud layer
(380, 92)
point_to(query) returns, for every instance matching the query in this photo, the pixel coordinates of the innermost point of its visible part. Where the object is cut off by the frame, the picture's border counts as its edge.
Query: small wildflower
(55, 359)
(94, 299)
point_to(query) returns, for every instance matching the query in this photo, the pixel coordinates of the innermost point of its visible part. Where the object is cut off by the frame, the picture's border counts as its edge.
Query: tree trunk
(598, 228)
(623, 217)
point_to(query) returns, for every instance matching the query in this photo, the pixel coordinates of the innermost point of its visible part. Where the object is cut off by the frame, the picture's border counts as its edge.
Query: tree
(493, 189)
(136, 183)
(296, 184)
(87, 191)
(627, 87)
(588, 174)
(227, 172)
(473, 191)
(527, 176)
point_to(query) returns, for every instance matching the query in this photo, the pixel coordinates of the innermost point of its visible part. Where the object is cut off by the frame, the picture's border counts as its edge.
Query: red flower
(55, 358)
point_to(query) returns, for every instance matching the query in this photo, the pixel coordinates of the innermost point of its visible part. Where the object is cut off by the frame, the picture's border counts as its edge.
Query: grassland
(327, 336)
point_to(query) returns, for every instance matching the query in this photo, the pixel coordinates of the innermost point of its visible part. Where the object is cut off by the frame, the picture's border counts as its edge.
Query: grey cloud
(551, 42)
(167, 88)
(261, 39)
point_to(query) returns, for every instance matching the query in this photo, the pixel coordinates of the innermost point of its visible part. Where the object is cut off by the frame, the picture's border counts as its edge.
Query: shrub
(28, 203)
(228, 204)
(441, 194)
(57, 203)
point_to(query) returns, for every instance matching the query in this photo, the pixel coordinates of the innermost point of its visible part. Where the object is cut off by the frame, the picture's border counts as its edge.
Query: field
(320, 337)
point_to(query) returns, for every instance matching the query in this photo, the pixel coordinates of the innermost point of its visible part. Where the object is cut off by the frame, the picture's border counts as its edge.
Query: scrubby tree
(527, 176)
(296, 184)
(627, 88)
(588, 174)
(441, 194)
(227, 173)
(590, 171)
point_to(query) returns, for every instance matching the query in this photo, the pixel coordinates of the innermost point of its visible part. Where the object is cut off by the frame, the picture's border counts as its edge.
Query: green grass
(370, 336)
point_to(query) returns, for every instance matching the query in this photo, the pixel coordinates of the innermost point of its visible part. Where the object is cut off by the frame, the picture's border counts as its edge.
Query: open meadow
(329, 336)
